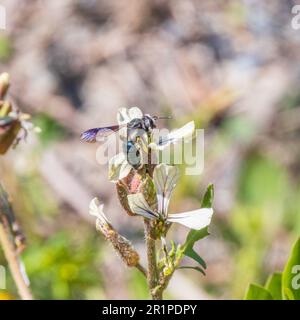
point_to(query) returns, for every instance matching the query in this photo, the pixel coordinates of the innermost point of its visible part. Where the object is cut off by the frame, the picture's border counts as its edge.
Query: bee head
(149, 122)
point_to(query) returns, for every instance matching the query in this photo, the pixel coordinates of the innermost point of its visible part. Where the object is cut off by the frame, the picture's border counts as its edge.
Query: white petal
(125, 170)
(139, 205)
(96, 210)
(165, 179)
(134, 113)
(196, 219)
(182, 134)
(123, 116)
(126, 115)
(119, 168)
(118, 159)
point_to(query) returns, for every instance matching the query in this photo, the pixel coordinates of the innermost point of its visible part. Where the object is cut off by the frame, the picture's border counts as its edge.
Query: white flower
(126, 115)
(96, 210)
(182, 134)
(119, 168)
(165, 179)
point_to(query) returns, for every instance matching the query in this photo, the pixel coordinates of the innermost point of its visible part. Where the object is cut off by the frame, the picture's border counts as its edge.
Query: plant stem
(158, 291)
(152, 264)
(14, 263)
(141, 269)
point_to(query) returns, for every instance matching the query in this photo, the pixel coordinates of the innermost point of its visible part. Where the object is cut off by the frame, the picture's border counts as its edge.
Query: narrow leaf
(196, 235)
(192, 238)
(208, 197)
(194, 268)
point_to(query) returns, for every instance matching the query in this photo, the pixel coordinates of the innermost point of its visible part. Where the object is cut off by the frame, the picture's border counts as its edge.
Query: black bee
(132, 149)
(146, 123)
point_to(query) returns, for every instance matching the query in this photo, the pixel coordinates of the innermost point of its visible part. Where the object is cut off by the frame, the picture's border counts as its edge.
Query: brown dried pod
(122, 246)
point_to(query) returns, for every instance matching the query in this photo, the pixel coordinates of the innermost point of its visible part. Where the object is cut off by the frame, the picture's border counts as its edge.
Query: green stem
(152, 276)
(165, 278)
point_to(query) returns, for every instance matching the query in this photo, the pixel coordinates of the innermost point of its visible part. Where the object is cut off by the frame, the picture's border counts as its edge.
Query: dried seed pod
(122, 246)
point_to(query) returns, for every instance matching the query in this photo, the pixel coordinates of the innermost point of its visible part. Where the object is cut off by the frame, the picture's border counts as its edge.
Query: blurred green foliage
(64, 257)
(280, 286)
(6, 49)
(64, 269)
(51, 130)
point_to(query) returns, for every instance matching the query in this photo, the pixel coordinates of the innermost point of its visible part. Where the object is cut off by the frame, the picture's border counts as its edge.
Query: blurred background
(232, 66)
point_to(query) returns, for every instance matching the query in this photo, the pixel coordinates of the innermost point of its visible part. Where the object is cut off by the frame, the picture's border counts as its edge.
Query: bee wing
(91, 135)
(196, 219)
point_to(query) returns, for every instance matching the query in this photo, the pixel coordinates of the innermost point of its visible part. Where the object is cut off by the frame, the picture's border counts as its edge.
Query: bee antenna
(160, 118)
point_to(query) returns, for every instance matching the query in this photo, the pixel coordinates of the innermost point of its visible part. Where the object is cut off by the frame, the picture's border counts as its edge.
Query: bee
(147, 123)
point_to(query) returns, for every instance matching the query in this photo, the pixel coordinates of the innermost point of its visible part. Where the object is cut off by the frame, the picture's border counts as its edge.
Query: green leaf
(194, 268)
(172, 252)
(196, 235)
(208, 197)
(273, 285)
(256, 292)
(288, 294)
(291, 275)
(192, 238)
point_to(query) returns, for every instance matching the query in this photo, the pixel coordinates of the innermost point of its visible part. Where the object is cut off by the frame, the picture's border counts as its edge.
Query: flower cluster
(165, 178)
(145, 187)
